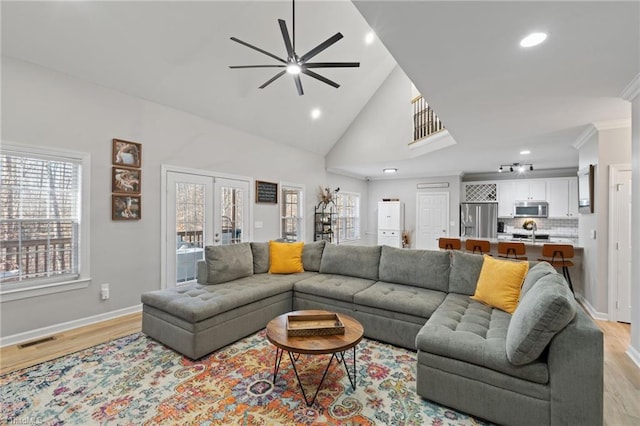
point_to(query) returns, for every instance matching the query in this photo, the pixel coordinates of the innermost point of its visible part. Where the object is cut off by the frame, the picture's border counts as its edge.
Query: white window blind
(39, 216)
(291, 219)
(348, 222)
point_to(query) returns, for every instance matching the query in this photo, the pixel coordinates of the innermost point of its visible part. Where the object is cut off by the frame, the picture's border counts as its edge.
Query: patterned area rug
(135, 380)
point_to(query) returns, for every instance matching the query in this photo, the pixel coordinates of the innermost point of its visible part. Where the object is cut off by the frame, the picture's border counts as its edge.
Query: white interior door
(620, 237)
(432, 219)
(189, 213)
(231, 215)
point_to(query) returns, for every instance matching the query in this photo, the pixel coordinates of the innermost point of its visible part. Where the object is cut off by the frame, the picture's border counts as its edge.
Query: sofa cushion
(260, 252)
(312, 255)
(545, 310)
(500, 282)
(472, 332)
(465, 270)
(285, 258)
(338, 287)
(422, 268)
(536, 272)
(411, 300)
(229, 262)
(353, 261)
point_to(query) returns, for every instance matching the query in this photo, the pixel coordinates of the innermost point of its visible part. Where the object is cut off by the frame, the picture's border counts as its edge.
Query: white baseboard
(634, 354)
(603, 316)
(58, 328)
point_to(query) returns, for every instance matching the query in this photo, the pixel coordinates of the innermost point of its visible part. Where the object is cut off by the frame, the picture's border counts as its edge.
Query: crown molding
(612, 124)
(632, 90)
(584, 136)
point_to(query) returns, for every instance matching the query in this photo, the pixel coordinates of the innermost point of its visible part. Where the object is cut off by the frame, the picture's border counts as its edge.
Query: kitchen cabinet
(506, 198)
(562, 196)
(390, 223)
(531, 189)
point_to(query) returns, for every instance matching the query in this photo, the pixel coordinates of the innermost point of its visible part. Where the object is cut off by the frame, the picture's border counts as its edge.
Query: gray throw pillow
(536, 272)
(227, 263)
(546, 309)
(312, 255)
(260, 252)
(465, 271)
(353, 261)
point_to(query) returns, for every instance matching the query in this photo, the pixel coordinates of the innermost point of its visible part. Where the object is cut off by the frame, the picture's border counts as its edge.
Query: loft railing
(425, 121)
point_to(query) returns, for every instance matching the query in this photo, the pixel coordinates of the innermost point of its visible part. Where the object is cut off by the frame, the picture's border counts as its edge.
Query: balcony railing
(425, 121)
(35, 258)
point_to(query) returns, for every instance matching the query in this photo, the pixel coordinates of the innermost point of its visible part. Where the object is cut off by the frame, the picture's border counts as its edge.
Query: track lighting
(519, 167)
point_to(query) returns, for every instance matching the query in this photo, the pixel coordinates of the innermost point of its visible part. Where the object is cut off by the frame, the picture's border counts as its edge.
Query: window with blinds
(40, 199)
(348, 222)
(291, 219)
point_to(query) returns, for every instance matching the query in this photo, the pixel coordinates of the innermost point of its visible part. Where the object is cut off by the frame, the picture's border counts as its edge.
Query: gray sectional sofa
(543, 364)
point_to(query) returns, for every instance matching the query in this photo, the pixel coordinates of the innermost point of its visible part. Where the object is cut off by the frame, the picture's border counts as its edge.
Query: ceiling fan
(295, 64)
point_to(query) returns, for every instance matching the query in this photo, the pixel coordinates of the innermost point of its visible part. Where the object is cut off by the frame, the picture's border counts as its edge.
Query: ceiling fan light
(293, 69)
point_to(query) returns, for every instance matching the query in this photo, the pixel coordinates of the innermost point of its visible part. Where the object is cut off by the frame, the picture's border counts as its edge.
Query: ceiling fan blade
(272, 79)
(287, 39)
(256, 66)
(244, 43)
(321, 78)
(296, 78)
(332, 65)
(319, 48)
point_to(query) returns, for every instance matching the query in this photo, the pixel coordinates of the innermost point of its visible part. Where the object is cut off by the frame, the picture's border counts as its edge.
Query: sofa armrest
(576, 363)
(202, 272)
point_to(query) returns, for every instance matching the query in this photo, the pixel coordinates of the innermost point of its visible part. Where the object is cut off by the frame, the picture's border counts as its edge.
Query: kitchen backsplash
(555, 227)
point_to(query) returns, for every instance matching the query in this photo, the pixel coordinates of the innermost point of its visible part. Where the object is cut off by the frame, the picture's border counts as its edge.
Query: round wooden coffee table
(336, 345)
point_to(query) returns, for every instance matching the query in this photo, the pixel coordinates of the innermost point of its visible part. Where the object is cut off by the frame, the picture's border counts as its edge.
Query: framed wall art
(126, 180)
(126, 207)
(127, 153)
(266, 192)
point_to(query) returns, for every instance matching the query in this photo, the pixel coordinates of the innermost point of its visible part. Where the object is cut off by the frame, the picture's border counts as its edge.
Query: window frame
(300, 235)
(42, 286)
(341, 225)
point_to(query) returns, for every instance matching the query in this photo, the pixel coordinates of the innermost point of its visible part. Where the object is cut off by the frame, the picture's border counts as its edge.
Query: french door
(201, 210)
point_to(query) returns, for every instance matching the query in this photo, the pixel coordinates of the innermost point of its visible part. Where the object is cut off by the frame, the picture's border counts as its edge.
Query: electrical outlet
(104, 291)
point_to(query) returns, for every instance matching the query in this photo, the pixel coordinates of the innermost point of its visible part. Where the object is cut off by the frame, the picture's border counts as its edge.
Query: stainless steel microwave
(531, 209)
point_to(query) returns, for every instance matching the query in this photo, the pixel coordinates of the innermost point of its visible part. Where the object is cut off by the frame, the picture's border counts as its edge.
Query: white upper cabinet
(506, 198)
(531, 189)
(562, 195)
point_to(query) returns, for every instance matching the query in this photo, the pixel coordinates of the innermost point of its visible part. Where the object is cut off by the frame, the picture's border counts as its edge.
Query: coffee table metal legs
(339, 356)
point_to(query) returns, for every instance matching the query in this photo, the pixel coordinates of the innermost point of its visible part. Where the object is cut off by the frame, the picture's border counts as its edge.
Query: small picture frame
(127, 153)
(126, 180)
(126, 207)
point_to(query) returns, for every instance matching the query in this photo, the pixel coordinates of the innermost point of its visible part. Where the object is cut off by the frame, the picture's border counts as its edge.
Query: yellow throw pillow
(499, 283)
(285, 258)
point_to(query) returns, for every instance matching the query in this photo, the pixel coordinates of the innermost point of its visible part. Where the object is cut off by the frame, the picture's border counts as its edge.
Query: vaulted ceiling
(494, 97)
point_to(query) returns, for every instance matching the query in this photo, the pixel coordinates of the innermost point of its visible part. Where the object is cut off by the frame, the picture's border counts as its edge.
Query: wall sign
(266, 192)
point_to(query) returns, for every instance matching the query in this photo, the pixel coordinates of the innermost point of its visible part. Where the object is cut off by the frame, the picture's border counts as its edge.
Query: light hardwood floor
(621, 375)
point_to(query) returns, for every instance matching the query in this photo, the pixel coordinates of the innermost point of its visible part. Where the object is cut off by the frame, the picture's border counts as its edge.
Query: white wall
(605, 147)
(46, 108)
(634, 350)
(405, 190)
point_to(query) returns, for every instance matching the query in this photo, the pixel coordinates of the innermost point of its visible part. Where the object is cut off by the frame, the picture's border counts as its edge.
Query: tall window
(348, 222)
(292, 213)
(40, 200)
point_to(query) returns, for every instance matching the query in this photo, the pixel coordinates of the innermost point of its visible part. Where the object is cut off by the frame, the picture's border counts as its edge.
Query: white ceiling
(494, 97)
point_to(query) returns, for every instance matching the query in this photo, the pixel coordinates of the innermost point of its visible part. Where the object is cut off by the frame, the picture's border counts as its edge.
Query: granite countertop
(538, 243)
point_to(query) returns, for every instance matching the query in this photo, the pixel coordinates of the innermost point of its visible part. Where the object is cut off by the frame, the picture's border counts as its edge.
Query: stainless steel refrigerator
(479, 220)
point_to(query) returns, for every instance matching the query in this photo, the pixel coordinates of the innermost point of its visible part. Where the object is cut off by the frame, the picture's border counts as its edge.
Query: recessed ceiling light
(368, 39)
(525, 152)
(316, 113)
(389, 170)
(533, 39)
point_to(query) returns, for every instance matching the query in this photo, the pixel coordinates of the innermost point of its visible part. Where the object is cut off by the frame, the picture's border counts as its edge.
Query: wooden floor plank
(621, 375)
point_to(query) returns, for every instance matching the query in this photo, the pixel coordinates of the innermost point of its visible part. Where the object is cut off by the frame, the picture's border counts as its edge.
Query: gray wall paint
(406, 191)
(46, 108)
(635, 228)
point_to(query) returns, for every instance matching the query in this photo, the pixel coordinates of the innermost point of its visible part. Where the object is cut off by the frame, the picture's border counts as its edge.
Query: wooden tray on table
(314, 325)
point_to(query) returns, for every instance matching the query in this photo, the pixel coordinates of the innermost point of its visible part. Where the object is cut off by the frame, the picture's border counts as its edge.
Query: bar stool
(478, 246)
(449, 243)
(512, 250)
(557, 255)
